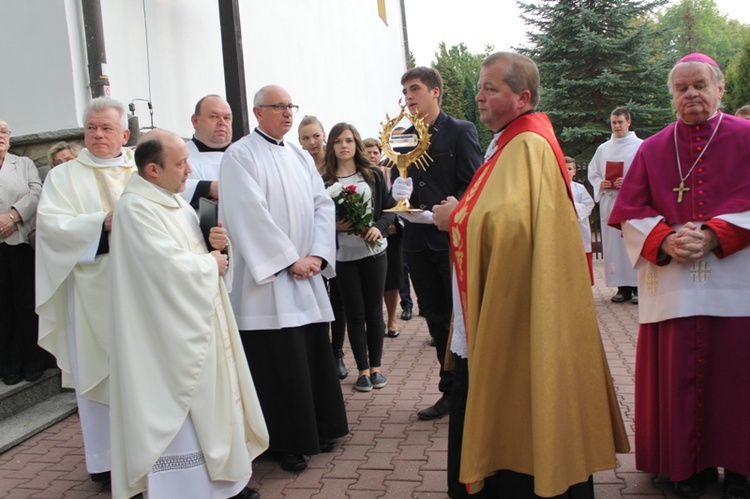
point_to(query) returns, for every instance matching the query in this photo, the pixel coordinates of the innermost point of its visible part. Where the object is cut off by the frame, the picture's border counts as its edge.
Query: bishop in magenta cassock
(684, 211)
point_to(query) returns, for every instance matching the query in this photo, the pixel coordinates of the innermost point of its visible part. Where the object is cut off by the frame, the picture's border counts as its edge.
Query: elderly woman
(20, 188)
(61, 152)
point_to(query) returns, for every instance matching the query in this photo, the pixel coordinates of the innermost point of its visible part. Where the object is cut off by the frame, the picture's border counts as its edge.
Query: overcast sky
(481, 22)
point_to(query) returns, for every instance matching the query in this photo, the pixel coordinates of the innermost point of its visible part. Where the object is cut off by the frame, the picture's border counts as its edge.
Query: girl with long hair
(361, 260)
(312, 138)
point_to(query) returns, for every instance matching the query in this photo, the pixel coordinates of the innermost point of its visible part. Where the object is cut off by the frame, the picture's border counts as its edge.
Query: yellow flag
(381, 11)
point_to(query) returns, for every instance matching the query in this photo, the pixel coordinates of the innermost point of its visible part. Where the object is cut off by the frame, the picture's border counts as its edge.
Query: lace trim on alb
(178, 462)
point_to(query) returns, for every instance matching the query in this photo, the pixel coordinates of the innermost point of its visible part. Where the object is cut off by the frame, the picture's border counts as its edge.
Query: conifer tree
(593, 56)
(459, 69)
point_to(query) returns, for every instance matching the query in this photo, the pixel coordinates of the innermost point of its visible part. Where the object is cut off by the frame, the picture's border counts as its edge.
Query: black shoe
(431, 342)
(393, 333)
(327, 445)
(341, 368)
(634, 300)
(378, 380)
(437, 411)
(363, 384)
(292, 462)
(33, 376)
(247, 493)
(104, 476)
(710, 475)
(406, 314)
(735, 486)
(621, 297)
(692, 487)
(12, 379)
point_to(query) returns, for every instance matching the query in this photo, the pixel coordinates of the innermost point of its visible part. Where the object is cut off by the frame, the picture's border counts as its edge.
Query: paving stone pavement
(389, 452)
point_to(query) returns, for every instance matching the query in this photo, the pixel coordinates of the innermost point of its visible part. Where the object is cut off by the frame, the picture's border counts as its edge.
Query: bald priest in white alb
(281, 222)
(186, 421)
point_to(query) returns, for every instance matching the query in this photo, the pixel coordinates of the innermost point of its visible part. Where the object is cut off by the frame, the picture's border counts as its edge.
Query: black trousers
(298, 386)
(19, 325)
(431, 276)
(362, 283)
(504, 484)
(405, 291)
(338, 326)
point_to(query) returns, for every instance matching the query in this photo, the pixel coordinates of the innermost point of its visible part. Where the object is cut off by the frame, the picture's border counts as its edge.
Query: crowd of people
(182, 381)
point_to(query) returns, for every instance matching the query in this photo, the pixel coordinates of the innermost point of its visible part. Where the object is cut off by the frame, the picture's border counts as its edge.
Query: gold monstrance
(417, 156)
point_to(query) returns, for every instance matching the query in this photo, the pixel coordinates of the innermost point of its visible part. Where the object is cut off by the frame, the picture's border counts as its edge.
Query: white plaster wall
(337, 58)
(40, 76)
(170, 56)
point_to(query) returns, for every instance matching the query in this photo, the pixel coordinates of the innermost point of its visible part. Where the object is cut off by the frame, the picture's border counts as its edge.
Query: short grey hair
(260, 96)
(521, 73)
(716, 75)
(102, 104)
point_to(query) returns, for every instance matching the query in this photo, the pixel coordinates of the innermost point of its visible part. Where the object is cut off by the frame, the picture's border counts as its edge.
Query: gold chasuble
(541, 399)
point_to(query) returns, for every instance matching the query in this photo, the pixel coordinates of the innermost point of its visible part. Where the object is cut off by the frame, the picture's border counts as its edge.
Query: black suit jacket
(454, 149)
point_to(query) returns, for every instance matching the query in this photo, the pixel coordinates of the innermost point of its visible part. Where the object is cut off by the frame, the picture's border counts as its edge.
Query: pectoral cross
(679, 190)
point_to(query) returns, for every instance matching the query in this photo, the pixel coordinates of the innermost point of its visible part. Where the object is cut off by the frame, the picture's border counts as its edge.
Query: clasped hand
(441, 213)
(7, 227)
(217, 237)
(306, 267)
(690, 243)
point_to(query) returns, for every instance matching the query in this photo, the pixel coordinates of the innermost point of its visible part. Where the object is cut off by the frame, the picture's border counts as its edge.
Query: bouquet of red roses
(351, 207)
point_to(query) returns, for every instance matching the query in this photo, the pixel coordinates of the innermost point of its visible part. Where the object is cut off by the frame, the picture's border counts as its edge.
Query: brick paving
(389, 453)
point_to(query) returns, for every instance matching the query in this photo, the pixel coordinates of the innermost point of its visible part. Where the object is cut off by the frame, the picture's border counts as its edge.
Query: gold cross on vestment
(679, 190)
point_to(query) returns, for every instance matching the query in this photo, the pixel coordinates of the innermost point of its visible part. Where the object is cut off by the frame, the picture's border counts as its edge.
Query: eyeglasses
(5, 132)
(280, 107)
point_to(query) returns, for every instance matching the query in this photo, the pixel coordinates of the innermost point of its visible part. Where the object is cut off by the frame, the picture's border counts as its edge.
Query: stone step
(17, 398)
(27, 423)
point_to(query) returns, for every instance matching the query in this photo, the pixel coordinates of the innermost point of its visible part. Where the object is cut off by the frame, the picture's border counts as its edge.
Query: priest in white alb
(606, 173)
(212, 122)
(186, 421)
(74, 220)
(281, 223)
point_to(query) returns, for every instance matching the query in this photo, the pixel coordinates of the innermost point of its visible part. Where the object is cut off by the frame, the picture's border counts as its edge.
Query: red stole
(536, 123)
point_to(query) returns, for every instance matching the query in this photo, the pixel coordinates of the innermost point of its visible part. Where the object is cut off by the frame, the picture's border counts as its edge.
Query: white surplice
(276, 210)
(184, 409)
(617, 268)
(203, 166)
(584, 205)
(72, 285)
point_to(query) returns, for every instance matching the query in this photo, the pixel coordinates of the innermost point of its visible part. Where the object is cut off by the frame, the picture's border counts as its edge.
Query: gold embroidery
(111, 182)
(652, 282)
(460, 214)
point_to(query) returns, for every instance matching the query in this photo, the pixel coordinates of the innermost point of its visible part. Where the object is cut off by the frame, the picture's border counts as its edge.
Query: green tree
(593, 56)
(412, 62)
(698, 26)
(460, 71)
(738, 80)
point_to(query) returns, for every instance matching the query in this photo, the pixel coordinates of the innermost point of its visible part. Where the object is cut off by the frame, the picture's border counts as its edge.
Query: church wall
(337, 58)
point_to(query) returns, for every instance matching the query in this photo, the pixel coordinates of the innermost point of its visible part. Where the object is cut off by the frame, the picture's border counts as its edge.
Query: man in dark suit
(455, 153)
